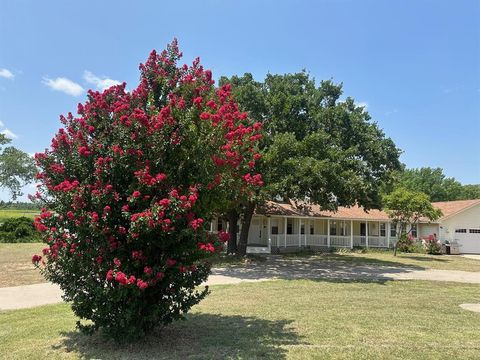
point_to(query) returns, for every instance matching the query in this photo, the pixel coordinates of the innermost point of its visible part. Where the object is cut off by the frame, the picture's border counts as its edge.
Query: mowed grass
(16, 266)
(10, 213)
(386, 258)
(298, 319)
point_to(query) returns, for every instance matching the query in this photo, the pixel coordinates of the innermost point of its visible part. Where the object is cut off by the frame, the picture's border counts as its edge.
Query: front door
(363, 229)
(255, 232)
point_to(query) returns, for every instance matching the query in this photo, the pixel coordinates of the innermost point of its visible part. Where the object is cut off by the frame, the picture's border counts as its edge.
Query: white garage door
(469, 239)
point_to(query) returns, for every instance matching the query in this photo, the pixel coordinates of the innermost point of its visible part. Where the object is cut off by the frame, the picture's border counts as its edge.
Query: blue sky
(415, 64)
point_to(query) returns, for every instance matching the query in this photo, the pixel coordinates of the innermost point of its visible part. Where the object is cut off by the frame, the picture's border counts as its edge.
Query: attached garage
(461, 223)
(469, 240)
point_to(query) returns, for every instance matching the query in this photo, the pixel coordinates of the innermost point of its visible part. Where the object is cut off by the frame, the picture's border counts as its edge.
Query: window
(393, 230)
(383, 230)
(219, 225)
(312, 229)
(414, 230)
(333, 228)
(464, 231)
(289, 226)
(302, 229)
(474, 231)
(274, 227)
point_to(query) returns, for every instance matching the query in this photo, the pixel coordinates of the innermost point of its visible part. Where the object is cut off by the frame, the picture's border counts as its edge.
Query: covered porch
(283, 233)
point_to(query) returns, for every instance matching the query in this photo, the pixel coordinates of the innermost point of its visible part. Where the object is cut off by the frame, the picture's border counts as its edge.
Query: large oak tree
(316, 145)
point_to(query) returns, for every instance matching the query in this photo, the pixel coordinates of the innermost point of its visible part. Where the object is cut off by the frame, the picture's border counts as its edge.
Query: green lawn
(297, 319)
(440, 262)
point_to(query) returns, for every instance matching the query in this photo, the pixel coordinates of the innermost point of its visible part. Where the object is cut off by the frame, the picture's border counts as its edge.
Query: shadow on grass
(329, 267)
(201, 336)
(425, 258)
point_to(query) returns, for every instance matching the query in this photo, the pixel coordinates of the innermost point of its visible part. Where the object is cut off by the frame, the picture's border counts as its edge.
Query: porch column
(328, 232)
(366, 234)
(307, 231)
(388, 233)
(269, 241)
(211, 226)
(351, 234)
(285, 231)
(379, 233)
(299, 233)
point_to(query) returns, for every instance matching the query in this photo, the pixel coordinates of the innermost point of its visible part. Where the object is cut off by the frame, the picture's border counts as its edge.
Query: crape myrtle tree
(130, 184)
(315, 145)
(407, 207)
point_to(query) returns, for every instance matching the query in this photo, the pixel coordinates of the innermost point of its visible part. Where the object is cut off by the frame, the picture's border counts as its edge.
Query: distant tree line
(434, 183)
(19, 206)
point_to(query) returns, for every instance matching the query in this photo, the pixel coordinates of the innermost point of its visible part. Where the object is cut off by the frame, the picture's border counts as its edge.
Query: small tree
(408, 207)
(130, 184)
(17, 168)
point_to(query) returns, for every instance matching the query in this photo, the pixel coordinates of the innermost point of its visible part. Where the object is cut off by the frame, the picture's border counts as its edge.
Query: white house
(280, 227)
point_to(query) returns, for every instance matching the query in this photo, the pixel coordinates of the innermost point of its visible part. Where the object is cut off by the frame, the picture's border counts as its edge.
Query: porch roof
(290, 208)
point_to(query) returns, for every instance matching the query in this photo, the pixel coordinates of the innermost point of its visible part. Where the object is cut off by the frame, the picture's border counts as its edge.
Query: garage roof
(450, 208)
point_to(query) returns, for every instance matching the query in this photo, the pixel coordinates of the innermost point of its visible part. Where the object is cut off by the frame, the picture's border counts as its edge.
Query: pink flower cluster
(136, 175)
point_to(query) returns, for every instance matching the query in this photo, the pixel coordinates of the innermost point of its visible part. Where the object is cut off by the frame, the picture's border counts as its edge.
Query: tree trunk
(247, 218)
(232, 217)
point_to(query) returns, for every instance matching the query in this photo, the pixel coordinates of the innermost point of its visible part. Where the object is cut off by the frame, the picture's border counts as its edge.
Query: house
(285, 226)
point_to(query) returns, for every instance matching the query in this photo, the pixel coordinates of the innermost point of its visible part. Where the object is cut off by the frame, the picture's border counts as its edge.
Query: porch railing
(340, 241)
(292, 240)
(316, 240)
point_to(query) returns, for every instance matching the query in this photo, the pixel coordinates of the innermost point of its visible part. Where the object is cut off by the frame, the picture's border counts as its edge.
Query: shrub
(18, 230)
(432, 245)
(7, 237)
(130, 184)
(406, 243)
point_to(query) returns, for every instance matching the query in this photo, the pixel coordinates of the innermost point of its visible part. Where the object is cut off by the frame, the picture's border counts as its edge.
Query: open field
(6, 214)
(297, 319)
(16, 266)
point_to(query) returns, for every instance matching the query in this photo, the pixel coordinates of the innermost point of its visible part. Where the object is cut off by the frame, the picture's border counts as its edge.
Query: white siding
(428, 229)
(469, 218)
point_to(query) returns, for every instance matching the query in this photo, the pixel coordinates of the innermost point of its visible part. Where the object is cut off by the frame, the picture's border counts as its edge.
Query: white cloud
(362, 104)
(101, 83)
(7, 74)
(9, 134)
(64, 85)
